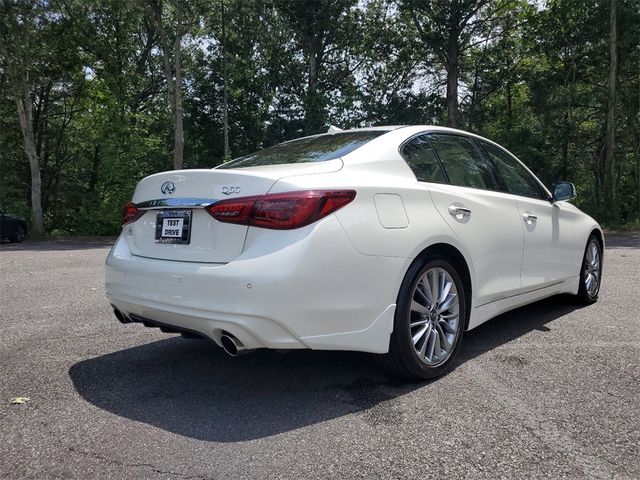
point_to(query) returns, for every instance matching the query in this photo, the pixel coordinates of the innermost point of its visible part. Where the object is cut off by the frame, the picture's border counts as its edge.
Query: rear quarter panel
(422, 227)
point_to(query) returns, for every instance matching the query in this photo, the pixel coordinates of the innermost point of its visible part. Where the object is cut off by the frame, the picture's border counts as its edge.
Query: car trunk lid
(174, 202)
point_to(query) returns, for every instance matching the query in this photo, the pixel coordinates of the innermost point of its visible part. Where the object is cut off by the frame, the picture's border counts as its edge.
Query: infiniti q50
(388, 240)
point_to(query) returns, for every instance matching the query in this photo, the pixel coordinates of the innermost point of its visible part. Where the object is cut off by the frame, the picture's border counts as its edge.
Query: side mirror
(564, 191)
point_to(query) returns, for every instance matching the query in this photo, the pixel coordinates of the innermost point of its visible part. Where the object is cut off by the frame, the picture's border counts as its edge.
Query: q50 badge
(228, 190)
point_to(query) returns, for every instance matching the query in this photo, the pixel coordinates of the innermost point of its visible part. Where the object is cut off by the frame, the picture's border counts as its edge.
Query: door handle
(529, 217)
(456, 210)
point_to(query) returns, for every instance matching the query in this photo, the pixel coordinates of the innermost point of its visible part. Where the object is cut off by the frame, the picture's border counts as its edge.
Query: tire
(19, 234)
(590, 272)
(443, 321)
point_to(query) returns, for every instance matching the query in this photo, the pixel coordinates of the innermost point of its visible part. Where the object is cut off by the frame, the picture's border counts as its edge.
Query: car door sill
(540, 287)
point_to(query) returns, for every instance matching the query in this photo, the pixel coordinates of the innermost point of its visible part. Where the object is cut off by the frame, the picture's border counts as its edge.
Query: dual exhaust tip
(230, 344)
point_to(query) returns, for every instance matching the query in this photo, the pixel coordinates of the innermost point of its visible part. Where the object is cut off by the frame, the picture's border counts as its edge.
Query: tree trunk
(225, 91)
(566, 132)
(24, 106)
(178, 131)
(173, 86)
(610, 155)
(509, 106)
(453, 72)
(95, 169)
(313, 67)
(314, 115)
(21, 87)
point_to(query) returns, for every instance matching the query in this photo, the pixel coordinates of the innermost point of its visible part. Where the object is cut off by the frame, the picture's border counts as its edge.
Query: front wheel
(591, 272)
(429, 321)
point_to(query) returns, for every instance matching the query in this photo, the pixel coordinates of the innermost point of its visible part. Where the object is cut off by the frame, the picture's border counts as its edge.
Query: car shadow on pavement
(193, 389)
(515, 324)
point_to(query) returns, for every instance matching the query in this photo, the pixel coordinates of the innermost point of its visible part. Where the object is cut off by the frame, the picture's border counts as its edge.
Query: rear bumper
(305, 288)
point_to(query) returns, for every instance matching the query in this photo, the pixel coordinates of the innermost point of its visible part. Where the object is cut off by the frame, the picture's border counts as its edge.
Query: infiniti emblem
(168, 188)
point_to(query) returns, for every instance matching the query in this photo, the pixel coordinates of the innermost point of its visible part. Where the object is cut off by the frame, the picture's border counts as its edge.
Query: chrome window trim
(404, 158)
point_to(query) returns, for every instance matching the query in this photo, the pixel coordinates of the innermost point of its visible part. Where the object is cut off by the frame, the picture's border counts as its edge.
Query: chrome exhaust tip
(232, 346)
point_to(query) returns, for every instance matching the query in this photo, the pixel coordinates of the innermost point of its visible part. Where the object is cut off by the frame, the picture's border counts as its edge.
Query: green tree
(23, 48)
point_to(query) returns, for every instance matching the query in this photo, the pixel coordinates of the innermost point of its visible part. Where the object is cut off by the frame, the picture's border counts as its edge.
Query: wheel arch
(597, 232)
(458, 260)
(599, 236)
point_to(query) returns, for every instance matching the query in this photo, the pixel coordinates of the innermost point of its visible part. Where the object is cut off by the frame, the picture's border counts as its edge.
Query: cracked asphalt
(547, 391)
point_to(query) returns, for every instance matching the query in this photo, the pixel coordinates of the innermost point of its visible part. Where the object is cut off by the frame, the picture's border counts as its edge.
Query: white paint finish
(549, 232)
(489, 310)
(211, 241)
(306, 294)
(492, 234)
(391, 212)
(334, 284)
(374, 336)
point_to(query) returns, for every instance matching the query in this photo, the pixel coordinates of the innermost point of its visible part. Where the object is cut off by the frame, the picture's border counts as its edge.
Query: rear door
(548, 233)
(465, 193)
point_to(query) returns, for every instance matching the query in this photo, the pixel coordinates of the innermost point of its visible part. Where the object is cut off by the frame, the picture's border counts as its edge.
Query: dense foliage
(98, 87)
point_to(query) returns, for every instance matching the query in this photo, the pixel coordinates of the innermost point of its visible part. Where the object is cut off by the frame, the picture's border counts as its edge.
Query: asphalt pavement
(550, 390)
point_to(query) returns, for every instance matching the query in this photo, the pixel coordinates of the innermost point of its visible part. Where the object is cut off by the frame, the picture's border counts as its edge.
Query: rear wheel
(19, 234)
(429, 321)
(591, 272)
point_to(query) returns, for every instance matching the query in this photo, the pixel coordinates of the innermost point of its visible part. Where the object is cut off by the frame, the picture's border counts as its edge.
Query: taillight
(130, 213)
(281, 211)
(236, 210)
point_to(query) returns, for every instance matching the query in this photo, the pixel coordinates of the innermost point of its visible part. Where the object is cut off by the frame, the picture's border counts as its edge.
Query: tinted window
(422, 159)
(312, 149)
(463, 163)
(514, 176)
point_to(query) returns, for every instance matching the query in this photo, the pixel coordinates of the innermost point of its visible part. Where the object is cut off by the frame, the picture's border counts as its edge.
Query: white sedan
(389, 240)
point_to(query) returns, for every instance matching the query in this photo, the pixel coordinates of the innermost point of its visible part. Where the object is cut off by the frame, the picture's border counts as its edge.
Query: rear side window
(464, 164)
(420, 156)
(515, 177)
(312, 149)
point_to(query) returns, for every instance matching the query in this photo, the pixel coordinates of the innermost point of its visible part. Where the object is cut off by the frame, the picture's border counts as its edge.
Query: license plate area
(173, 226)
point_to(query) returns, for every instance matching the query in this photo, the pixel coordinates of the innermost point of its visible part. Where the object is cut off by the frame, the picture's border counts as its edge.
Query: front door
(548, 243)
(548, 237)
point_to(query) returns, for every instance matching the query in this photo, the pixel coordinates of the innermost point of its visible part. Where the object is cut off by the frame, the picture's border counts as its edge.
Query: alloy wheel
(592, 269)
(434, 316)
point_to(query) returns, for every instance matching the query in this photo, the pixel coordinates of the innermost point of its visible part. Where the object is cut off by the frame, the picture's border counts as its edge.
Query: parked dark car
(12, 227)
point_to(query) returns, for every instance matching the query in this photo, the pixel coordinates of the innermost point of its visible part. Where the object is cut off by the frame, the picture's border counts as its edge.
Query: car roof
(390, 128)
(383, 128)
(411, 130)
(416, 128)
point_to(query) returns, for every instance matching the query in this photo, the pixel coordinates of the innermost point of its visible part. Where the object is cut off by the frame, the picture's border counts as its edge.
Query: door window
(421, 158)
(515, 178)
(463, 163)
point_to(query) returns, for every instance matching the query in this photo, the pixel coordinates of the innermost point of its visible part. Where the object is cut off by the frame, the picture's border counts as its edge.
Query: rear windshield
(311, 149)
